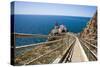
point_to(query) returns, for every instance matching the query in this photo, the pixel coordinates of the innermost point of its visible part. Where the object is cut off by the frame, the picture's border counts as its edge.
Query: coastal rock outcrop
(90, 32)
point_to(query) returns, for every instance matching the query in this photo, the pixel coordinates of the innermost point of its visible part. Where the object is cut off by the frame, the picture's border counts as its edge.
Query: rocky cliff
(90, 32)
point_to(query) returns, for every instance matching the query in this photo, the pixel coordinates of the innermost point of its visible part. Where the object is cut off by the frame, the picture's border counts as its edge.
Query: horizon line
(54, 15)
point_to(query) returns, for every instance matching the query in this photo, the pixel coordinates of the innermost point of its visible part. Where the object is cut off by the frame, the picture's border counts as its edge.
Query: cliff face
(90, 32)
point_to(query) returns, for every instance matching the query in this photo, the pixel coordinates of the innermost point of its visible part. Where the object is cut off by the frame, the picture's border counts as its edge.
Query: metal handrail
(50, 52)
(23, 35)
(90, 51)
(43, 55)
(89, 43)
(66, 55)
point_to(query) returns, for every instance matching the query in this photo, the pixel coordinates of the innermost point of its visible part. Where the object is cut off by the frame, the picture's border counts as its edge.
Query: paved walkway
(78, 52)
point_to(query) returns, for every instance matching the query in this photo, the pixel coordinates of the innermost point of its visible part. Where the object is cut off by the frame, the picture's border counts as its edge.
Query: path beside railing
(68, 48)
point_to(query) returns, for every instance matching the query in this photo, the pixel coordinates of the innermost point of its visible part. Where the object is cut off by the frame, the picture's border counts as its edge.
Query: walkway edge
(83, 52)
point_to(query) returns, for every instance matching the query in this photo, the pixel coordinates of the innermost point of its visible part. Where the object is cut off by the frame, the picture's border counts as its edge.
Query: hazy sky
(33, 8)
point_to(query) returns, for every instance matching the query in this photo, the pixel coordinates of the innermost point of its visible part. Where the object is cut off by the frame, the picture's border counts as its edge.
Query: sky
(34, 8)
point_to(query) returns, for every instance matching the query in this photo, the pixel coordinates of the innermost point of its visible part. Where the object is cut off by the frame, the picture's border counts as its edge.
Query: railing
(22, 35)
(46, 57)
(22, 49)
(91, 41)
(68, 54)
(45, 52)
(90, 50)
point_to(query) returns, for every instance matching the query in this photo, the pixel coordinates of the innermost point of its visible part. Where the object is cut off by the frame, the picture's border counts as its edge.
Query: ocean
(43, 24)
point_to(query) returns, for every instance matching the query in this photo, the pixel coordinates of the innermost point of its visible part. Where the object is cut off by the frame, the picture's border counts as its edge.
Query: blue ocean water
(43, 24)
